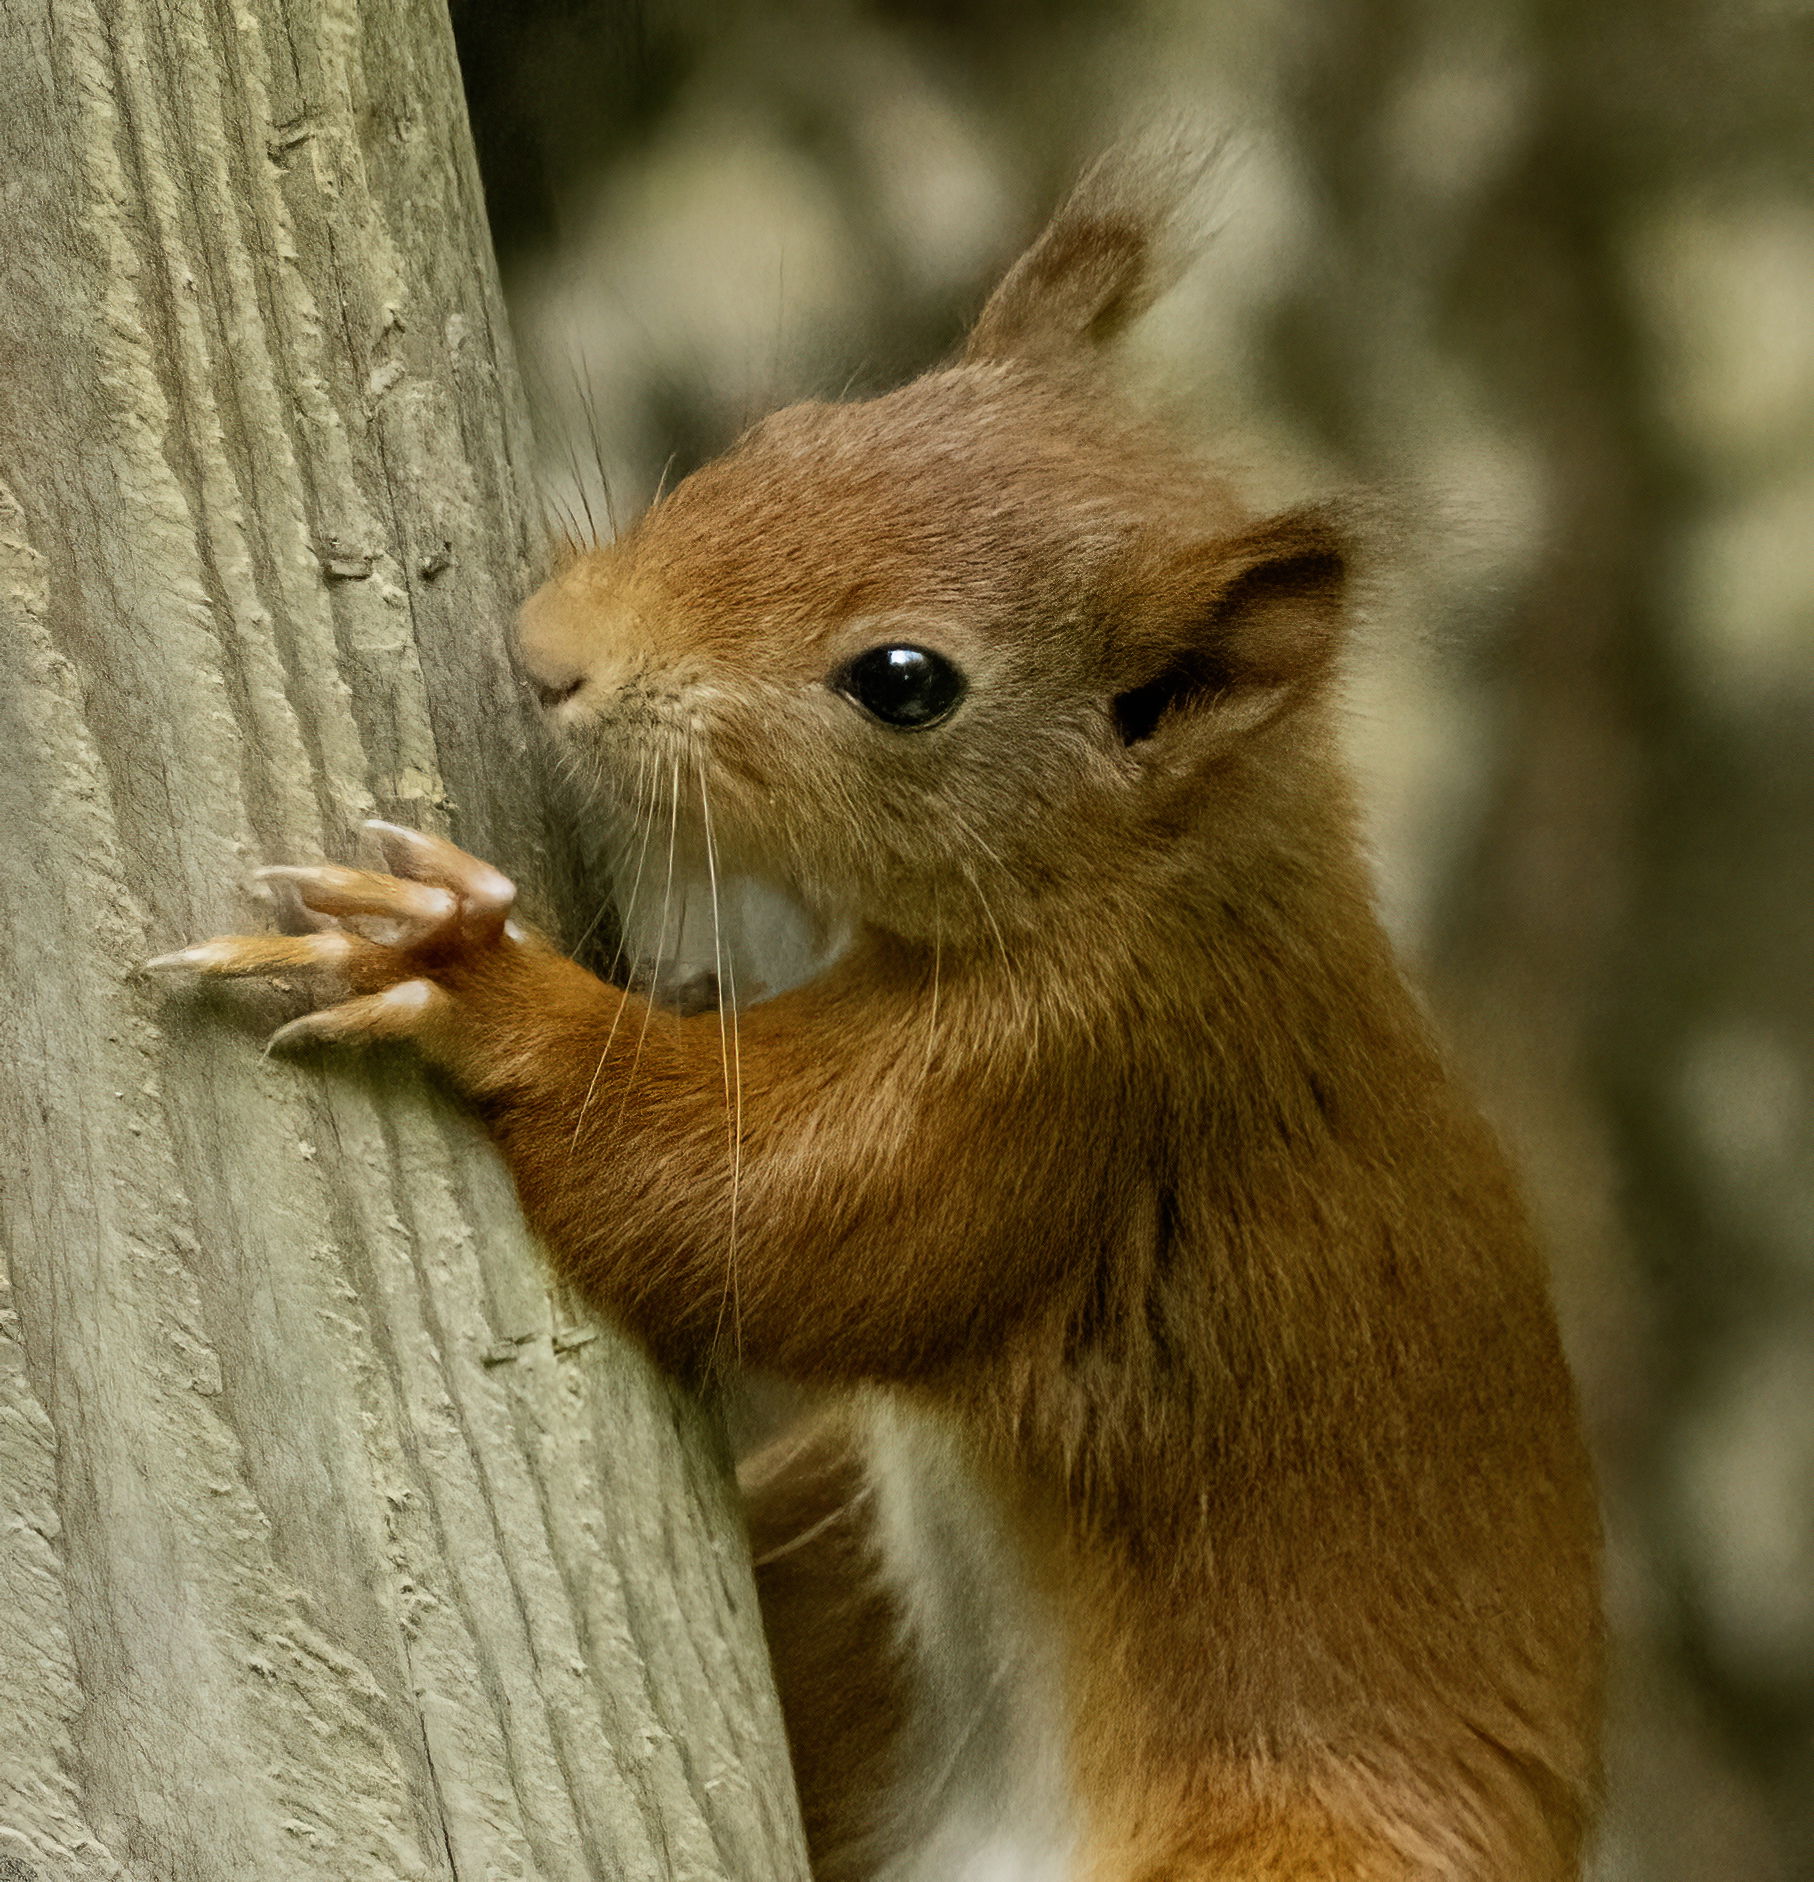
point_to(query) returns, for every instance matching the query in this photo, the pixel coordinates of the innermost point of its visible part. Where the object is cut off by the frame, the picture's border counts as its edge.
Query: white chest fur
(687, 937)
(985, 1797)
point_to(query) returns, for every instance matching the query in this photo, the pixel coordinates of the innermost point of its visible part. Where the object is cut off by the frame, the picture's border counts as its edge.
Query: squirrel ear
(1110, 251)
(1226, 633)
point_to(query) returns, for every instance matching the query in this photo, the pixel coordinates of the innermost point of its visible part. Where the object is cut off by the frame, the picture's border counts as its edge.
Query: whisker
(667, 902)
(589, 404)
(548, 414)
(559, 518)
(730, 1044)
(661, 483)
(579, 483)
(619, 856)
(647, 818)
(811, 1533)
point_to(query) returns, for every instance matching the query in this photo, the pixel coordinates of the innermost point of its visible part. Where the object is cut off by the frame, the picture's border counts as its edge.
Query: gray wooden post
(334, 1545)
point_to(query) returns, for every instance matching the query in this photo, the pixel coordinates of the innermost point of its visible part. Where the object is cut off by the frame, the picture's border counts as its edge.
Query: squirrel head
(966, 653)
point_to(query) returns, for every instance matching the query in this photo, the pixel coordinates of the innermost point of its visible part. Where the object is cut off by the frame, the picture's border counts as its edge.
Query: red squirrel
(1200, 1491)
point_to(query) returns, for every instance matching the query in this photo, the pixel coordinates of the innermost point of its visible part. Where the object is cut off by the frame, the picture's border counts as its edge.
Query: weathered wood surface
(332, 1546)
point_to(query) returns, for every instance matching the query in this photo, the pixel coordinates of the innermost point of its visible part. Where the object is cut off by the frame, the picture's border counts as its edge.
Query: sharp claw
(371, 1016)
(295, 1033)
(246, 957)
(486, 894)
(294, 915)
(420, 906)
(404, 850)
(205, 954)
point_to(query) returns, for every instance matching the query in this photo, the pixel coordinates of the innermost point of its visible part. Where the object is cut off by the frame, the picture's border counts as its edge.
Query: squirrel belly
(981, 1785)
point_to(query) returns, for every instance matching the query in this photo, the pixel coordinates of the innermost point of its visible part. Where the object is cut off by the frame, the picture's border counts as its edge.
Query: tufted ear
(1114, 246)
(1218, 636)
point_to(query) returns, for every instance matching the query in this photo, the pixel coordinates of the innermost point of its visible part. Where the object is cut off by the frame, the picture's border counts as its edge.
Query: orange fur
(1113, 1145)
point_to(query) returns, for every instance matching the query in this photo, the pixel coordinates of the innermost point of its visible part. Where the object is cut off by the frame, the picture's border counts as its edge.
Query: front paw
(405, 949)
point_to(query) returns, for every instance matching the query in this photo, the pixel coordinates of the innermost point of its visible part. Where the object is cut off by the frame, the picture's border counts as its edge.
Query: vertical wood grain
(333, 1543)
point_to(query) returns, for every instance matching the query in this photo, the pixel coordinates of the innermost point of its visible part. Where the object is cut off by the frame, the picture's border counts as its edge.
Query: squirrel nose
(552, 693)
(549, 653)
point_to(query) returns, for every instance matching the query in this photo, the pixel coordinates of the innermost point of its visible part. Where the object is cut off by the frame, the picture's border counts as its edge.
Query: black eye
(906, 687)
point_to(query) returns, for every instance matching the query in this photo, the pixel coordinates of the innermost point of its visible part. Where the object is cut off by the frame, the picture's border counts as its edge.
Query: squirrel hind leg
(833, 1633)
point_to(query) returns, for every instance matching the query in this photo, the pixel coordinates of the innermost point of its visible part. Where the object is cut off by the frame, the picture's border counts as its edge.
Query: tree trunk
(332, 1544)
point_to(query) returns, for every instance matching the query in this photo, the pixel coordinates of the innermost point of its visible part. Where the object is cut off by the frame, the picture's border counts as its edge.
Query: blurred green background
(1543, 276)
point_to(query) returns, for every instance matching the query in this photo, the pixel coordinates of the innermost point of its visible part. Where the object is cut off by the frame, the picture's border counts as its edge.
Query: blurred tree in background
(1542, 274)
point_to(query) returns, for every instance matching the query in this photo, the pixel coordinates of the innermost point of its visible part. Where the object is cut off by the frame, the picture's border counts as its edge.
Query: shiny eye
(909, 688)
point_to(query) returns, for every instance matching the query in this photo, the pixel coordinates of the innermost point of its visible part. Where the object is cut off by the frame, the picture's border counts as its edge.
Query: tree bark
(333, 1542)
